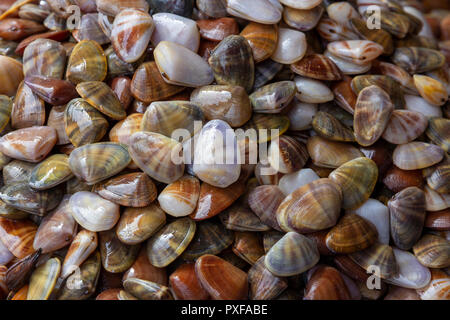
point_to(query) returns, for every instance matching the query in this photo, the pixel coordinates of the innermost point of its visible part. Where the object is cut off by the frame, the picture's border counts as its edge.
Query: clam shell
(438, 287)
(122, 88)
(330, 154)
(56, 121)
(356, 51)
(112, 8)
(274, 123)
(116, 66)
(312, 207)
(240, 217)
(433, 251)
(380, 255)
(395, 23)
(291, 46)
(87, 62)
(43, 280)
(52, 91)
(147, 290)
(17, 171)
(404, 126)
(438, 132)
(143, 269)
(130, 190)
(417, 155)
(171, 60)
(124, 129)
(28, 144)
(116, 255)
(346, 66)
(248, 246)
(287, 155)
(221, 279)
(170, 242)
(93, 163)
(436, 201)
(433, 91)
(266, 71)
(6, 105)
(317, 66)
(5, 255)
(17, 29)
(397, 73)
(379, 36)
(148, 85)
(290, 182)
(418, 60)
(274, 97)
(185, 284)
(326, 283)
(418, 104)
(262, 39)
(327, 126)
(228, 103)
(291, 255)
(212, 8)
(263, 284)
(131, 33)
(11, 75)
(153, 153)
(301, 114)
(138, 224)
(264, 202)
(174, 28)
(262, 11)
(331, 30)
(84, 243)
(304, 5)
(93, 212)
(19, 273)
(372, 112)
(90, 29)
(180, 197)
(51, 172)
(302, 19)
(438, 220)
(312, 91)
(28, 109)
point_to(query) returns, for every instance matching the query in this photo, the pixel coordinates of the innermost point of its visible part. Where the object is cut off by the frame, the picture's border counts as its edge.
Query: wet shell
(436, 201)
(274, 97)
(116, 66)
(17, 29)
(290, 182)
(180, 197)
(312, 207)
(143, 269)
(56, 121)
(438, 220)
(185, 284)
(19, 273)
(263, 284)
(326, 283)
(224, 102)
(90, 29)
(433, 251)
(170, 242)
(327, 126)
(397, 73)
(124, 129)
(93, 163)
(28, 144)
(50, 172)
(210, 238)
(84, 243)
(240, 217)
(438, 288)
(262, 11)
(346, 66)
(266, 71)
(330, 30)
(352, 233)
(116, 255)
(302, 20)
(262, 39)
(212, 8)
(356, 51)
(407, 212)
(272, 123)
(357, 179)
(93, 212)
(386, 83)
(418, 60)
(154, 154)
(6, 105)
(131, 33)
(221, 279)
(215, 29)
(291, 46)
(112, 8)
(138, 224)
(264, 202)
(83, 123)
(28, 109)
(11, 75)
(317, 66)
(130, 190)
(18, 236)
(171, 58)
(395, 23)
(147, 290)
(433, 91)
(52, 91)
(417, 155)
(380, 255)
(372, 113)
(404, 126)
(43, 280)
(287, 155)
(232, 62)
(330, 154)
(312, 91)
(17, 171)
(165, 117)
(379, 36)
(438, 132)
(291, 255)
(148, 85)
(87, 62)
(248, 246)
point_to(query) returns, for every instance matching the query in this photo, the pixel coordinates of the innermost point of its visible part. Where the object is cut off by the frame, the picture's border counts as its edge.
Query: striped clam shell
(17, 171)
(407, 217)
(327, 126)
(131, 33)
(436, 201)
(395, 23)
(386, 83)
(372, 113)
(112, 8)
(44, 57)
(438, 176)
(404, 126)
(380, 255)
(154, 154)
(170, 242)
(326, 283)
(263, 284)
(357, 179)
(95, 162)
(330, 30)
(83, 245)
(19, 273)
(379, 36)
(287, 155)
(433, 91)
(11, 74)
(87, 62)
(43, 280)
(56, 121)
(356, 51)
(438, 288)
(90, 29)
(116, 256)
(397, 73)
(417, 155)
(312, 207)
(269, 122)
(264, 202)
(247, 246)
(6, 105)
(274, 97)
(418, 60)
(180, 197)
(18, 236)
(262, 39)
(433, 251)
(51, 172)
(266, 71)
(124, 129)
(439, 132)
(240, 217)
(28, 109)
(317, 66)
(83, 123)
(146, 290)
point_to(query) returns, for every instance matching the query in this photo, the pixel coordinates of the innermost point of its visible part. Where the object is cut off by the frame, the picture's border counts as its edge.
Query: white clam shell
(292, 181)
(342, 12)
(356, 51)
(179, 204)
(411, 274)
(291, 46)
(181, 66)
(216, 156)
(84, 243)
(304, 4)
(175, 28)
(435, 201)
(419, 104)
(348, 67)
(377, 213)
(312, 91)
(262, 11)
(93, 212)
(301, 114)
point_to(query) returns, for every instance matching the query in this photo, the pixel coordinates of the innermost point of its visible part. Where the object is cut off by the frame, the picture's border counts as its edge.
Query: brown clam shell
(433, 251)
(263, 284)
(143, 269)
(18, 236)
(326, 283)
(380, 255)
(317, 66)
(186, 285)
(262, 39)
(264, 202)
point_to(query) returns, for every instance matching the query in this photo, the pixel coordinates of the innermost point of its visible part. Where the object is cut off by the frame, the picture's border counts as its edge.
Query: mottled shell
(312, 207)
(317, 66)
(404, 126)
(262, 39)
(264, 202)
(51, 172)
(116, 255)
(418, 60)
(287, 155)
(407, 217)
(87, 62)
(43, 280)
(433, 91)
(372, 112)
(380, 255)
(357, 179)
(274, 97)
(153, 153)
(180, 197)
(83, 123)
(44, 57)
(18, 236)
(417, 155)
(327, 126)
(170, 242)
(291, 255)
(329, 154)
(433, 251)
(28, 109)
(93, 163)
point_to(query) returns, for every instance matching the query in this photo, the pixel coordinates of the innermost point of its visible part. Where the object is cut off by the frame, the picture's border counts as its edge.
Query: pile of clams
(343, 193)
